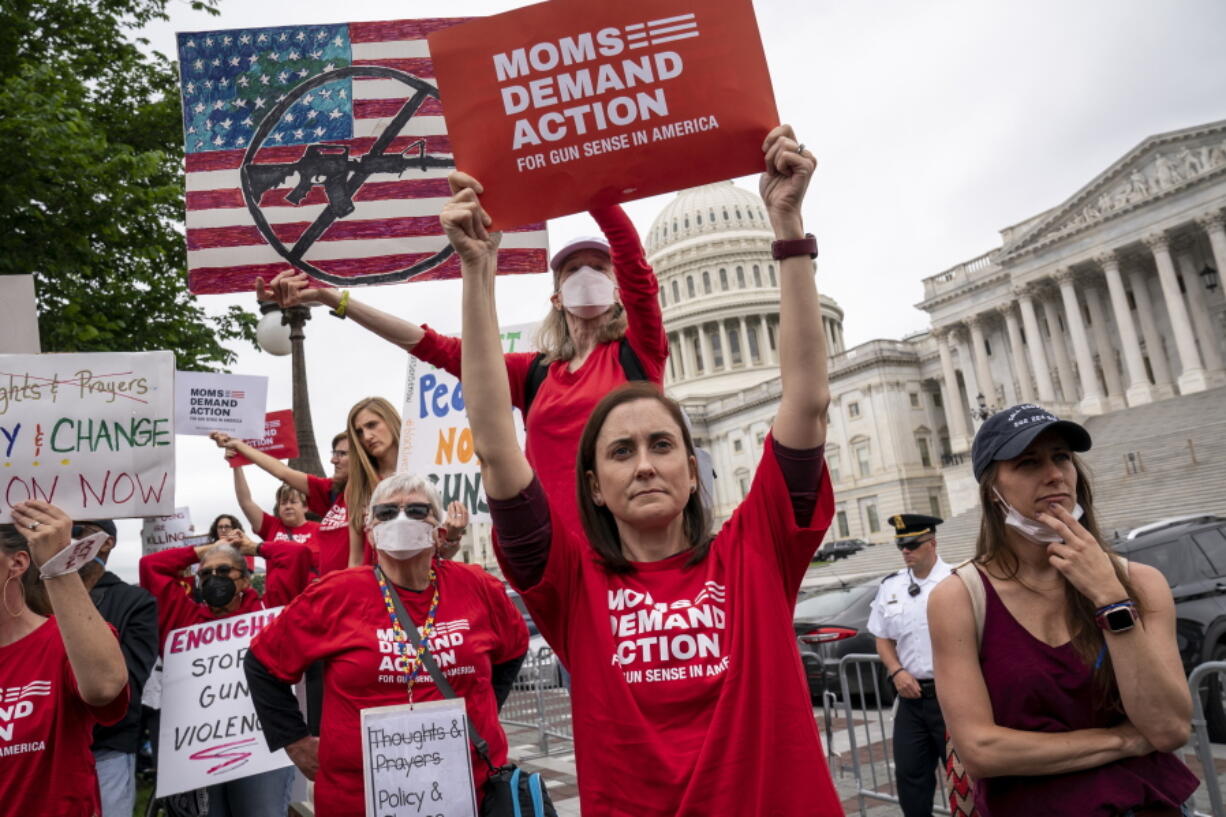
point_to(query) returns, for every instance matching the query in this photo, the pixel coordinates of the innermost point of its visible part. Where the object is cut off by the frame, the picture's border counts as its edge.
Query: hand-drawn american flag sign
(321, 148)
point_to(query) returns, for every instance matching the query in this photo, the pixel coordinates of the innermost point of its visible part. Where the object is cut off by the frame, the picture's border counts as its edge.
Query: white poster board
(91, 433)
(435, 440)
(416, 760)
(162, 532)
(209, 731)
(18, 316)
(233, 403)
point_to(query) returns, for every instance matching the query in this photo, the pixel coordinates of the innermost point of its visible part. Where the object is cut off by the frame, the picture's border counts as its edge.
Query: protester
(1065, 695)
(373, 427)
(61, 672)
(603, 329)
(289, 524)
(223, 527)
(343, 620)
(899, 620)
(703, 707)
(133, 613)
(325, 497)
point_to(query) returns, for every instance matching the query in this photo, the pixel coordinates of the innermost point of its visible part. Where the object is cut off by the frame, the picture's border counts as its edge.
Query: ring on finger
(800, 148)
(34, 525)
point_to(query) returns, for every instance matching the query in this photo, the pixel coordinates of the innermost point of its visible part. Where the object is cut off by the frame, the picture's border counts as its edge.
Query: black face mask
(218, 591)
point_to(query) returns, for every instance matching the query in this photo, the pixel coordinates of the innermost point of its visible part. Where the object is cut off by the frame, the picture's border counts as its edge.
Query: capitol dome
(719, 289)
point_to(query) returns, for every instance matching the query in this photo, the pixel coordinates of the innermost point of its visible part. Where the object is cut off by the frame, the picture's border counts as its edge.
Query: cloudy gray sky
(936, 124)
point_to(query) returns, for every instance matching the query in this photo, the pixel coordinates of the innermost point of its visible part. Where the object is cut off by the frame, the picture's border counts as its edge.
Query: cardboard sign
(18, 316)
(435, 439)
(233, 403)
(280, 440)
(73, 558)
(416, 761)
(162, 532)
(209, 731)
(561, 107)
(90, 433)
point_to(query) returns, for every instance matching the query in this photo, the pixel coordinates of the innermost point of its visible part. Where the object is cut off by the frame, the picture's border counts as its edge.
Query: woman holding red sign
(60, 673)
(694, 701)
(604, 329)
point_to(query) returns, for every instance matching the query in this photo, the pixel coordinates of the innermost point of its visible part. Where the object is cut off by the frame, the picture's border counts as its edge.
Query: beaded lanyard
(402, 641)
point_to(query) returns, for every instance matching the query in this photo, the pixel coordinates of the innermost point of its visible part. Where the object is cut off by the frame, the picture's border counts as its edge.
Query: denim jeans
(116, 781)
(261, 795)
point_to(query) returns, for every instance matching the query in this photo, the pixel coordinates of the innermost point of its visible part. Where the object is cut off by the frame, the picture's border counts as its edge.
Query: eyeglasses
(221, 570)
(225, 526)
(387, 511)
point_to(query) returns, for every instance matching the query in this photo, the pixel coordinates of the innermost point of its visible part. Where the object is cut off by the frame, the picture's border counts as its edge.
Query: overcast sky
(936, 124)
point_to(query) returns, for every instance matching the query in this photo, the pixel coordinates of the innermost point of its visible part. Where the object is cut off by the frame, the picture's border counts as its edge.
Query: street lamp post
(281, 331)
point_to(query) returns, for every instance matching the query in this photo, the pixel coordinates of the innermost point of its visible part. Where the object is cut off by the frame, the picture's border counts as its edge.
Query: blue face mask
(1032, 529)
(99, 561)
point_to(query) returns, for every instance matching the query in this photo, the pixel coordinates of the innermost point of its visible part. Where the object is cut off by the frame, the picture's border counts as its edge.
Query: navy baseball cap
(1007, 433)
(102, 524)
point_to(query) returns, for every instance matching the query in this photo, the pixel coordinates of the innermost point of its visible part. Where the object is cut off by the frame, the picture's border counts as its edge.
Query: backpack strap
(969, 574)
(631, 365)
(537, 372)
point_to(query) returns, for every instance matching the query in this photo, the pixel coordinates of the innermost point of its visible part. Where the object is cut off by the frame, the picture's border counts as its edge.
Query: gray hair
(233, 556)
(406, 484)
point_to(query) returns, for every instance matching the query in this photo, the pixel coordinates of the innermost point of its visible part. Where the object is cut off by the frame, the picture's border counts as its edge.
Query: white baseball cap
(583, 242)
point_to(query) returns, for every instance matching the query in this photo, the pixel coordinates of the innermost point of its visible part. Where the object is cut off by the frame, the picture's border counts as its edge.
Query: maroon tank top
(1039, 688)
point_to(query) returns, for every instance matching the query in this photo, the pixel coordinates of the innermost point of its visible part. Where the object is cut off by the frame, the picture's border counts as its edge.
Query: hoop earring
(5, 594)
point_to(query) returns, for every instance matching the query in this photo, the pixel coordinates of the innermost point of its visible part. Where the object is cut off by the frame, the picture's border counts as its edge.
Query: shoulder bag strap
(970, 577)
(537, 372)
(631, 365)
(440, 681)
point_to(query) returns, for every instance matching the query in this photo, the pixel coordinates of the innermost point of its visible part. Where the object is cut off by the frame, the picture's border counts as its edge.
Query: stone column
(746, 358)
(1154, 349)
(1059, 343)
(1101, 337)
(1092, 401)
(1215, 225)
(1202, 322)
(1139, 389)
(951, 397)
(708, 351)
(1020, 370)
(983, 373)
(723, 344)
(764, 343)
(961, 339)
(1192, 377)
(1038, 361)
(687, 354)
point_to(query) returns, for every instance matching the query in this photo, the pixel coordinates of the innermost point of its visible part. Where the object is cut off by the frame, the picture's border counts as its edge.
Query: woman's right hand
(289, 288)
(305, 754)
(466, 223)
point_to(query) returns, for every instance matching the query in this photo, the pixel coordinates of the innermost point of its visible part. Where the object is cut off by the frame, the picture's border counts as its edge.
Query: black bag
(508, 791)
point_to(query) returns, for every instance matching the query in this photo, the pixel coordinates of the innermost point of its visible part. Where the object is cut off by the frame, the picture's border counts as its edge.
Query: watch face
(1119, 620)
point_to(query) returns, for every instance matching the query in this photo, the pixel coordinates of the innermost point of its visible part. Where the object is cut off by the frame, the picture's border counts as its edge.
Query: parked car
(840, 549)
(1191, 553)
(832, 624)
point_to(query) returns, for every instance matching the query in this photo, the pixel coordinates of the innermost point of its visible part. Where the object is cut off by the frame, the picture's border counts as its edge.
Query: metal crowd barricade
(876, 752)
(1200, 734)
(540, 701)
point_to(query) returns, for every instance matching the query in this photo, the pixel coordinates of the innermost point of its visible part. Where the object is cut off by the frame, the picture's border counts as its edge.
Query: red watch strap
(789, 247)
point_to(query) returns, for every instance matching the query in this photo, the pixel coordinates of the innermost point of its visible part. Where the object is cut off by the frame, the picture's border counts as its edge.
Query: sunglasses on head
(387, 511)
(221, 570)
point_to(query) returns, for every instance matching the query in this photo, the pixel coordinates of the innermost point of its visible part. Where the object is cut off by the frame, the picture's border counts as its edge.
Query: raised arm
(93, 651)
(638, 286)
(801, 420)
(989, 750)
(278, 469)
(242, 492)
(294, 289)
(487, 393)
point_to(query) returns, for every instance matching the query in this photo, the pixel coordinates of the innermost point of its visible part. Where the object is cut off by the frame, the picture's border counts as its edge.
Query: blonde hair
(553, 339)
(363, 471)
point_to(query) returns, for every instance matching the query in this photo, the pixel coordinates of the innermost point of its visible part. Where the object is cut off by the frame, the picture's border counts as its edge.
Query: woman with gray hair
(61, 670)
(349, 620)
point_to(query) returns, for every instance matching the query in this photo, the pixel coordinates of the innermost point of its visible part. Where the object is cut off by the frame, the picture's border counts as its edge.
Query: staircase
(1148, 463)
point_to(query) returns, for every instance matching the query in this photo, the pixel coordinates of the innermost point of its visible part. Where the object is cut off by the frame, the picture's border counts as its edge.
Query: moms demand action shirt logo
(668, 641)
(15, 704)
(446, 637)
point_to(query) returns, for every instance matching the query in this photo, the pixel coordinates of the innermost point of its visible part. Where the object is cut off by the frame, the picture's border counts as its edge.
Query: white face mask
(587, 292)
(1032, 529)
(403, 538)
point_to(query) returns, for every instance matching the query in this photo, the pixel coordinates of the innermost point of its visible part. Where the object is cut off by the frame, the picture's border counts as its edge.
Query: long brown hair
(553, 338)
(1084, 633)
(364, 471)
(598, 521)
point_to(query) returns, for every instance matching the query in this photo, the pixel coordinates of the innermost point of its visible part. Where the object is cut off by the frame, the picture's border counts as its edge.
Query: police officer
(899, 620)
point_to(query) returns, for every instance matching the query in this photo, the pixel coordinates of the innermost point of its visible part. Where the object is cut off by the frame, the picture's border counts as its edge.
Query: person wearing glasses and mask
(349, 621)
(899, 620)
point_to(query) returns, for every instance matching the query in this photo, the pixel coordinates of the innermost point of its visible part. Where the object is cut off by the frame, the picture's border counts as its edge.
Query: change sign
(91, 433)
(560, 107)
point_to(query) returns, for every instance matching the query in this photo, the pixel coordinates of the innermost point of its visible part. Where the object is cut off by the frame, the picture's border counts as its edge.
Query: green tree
(91, 182)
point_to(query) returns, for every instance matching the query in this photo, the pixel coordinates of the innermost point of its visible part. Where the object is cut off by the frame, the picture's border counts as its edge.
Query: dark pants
(919, 750)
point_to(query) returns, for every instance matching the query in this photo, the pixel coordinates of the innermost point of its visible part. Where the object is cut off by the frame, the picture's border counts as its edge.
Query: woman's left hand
(782, 187)
(1081, 559)
(466, 222)
(457, 521)
(46, 528)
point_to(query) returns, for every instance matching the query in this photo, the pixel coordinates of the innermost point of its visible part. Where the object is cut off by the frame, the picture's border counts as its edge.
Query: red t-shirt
(46, 767)
(332, 535)
(686, 680)
(565, 399)
(341, 620)
(273, 529)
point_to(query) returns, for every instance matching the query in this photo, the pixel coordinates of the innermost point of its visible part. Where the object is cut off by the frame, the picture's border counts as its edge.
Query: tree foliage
(91, 182)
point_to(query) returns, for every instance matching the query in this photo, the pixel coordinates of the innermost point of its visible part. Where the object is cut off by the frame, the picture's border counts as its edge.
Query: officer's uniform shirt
(903, 618)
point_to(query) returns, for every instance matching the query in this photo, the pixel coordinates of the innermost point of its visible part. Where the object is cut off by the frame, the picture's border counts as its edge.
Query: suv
(1191, 554)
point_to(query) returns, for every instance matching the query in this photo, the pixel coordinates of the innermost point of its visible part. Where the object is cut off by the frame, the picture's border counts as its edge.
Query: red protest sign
(560, 107)
(280, 440)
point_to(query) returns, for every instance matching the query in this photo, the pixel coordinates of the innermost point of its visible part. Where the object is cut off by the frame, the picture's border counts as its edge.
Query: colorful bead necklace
(412, 658)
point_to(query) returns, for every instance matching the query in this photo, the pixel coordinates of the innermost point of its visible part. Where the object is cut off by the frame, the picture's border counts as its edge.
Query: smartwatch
(1119, 617)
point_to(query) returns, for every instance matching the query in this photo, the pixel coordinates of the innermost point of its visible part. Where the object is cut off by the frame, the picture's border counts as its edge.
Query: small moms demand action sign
(560, 107)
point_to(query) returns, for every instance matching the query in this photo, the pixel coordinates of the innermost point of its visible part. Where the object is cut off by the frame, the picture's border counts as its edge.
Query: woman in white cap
(604, 329)
(1056, 662)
